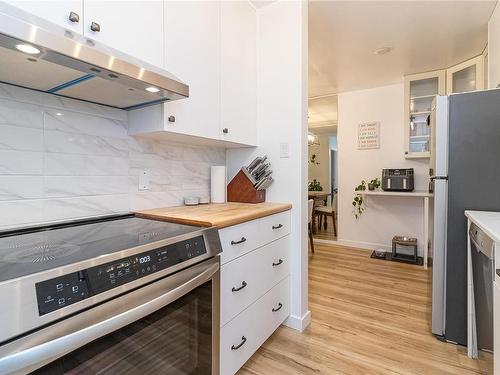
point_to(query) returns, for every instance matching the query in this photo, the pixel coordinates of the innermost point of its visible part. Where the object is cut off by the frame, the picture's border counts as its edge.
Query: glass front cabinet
(467, 76)
(420, 90)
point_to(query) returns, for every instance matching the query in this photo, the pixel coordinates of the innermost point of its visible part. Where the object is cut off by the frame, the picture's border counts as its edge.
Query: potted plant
(374, 184)
(314, 185)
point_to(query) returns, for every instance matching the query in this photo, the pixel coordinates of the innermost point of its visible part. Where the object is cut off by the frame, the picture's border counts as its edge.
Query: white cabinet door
(133, 27)
(467, 76)
(192, 40)
(67, 13)
(238, 72)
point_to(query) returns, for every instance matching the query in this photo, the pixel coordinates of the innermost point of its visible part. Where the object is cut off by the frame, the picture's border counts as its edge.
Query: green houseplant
(374, 184)
(358, 201)
(314, 185)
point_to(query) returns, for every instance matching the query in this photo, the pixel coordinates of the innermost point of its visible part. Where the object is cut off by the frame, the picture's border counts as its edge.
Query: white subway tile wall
(63, 159)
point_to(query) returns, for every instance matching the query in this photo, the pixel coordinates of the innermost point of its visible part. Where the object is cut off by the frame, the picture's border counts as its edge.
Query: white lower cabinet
(238, 240)
(247, 278)
(254, 286)
(243, 335)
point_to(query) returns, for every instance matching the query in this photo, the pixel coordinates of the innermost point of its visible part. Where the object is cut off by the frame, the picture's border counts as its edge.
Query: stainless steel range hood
(56, 61)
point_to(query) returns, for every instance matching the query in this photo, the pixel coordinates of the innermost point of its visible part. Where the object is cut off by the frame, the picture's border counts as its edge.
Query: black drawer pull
(243, 239)
(278, 226)
(280, 305)
(243, 284)
(277, 264)
(243, 341)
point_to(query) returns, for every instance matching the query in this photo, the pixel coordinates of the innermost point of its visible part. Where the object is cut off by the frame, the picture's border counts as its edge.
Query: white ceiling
(322, 114)
(424, 36)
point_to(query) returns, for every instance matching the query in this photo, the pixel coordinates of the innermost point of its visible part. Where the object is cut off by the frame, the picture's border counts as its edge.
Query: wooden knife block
(241, 189)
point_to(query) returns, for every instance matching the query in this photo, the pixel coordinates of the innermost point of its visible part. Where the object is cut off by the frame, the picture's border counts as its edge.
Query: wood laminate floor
(326, 234)
(368, 317)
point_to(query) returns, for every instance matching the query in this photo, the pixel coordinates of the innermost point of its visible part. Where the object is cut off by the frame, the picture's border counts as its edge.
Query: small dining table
(317, 195)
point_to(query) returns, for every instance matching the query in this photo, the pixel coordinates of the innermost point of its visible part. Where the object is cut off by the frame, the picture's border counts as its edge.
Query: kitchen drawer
(273, 227)
(255, 324)
(238, 240)
(253, 274)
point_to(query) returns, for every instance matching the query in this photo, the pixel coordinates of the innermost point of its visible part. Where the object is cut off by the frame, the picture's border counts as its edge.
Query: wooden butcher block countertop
(217, 214)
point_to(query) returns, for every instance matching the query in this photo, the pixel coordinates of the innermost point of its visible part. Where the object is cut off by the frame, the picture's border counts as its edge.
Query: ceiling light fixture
(152, 89)
(382, 50)
(312, 139)
(26, 48)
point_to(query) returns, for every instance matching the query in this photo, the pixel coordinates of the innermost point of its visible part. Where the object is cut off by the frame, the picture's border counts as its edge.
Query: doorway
(322, 166)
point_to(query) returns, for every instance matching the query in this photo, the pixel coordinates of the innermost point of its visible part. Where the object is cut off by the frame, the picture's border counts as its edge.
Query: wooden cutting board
(218, 214)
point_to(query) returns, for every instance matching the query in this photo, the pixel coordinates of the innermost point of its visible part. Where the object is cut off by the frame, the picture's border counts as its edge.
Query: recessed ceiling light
(152, 89)
(26, 48)
(59, 114)
(382, 50)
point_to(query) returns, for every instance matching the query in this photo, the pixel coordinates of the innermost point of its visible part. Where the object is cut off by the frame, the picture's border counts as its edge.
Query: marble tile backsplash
(63, 159)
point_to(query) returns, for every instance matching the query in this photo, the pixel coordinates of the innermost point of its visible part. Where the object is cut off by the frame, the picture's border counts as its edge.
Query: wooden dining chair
(329, 210)
(310, 206)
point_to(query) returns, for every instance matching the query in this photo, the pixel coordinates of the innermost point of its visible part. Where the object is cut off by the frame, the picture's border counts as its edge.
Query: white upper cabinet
(133, 27)
(68, 13)
(238, 72)
(192, 40)
(420, 91)
(467, 76)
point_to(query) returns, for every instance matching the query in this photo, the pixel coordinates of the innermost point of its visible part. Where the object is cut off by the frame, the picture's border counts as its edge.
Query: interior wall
(321, 171)
(494, 49)
(384, 217)
(282, 119)
(334, 160)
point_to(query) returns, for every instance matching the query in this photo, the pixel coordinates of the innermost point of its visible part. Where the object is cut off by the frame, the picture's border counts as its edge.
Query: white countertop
(489, 222)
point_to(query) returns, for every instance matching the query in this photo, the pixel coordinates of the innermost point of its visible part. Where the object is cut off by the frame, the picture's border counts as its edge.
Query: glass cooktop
(31, 250)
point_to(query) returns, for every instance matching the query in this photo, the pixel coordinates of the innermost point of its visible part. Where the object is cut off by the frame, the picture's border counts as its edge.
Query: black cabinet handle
(94, 26)
(279, 262)
(243, 284)
(243, 341)
(280, 305)
(74, 17)
(171, 118)
(278, 226)
(243, 239)
(225, 130)
(498, 271)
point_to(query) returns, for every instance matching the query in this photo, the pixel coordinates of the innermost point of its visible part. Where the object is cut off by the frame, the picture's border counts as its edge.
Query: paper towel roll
(218, 184)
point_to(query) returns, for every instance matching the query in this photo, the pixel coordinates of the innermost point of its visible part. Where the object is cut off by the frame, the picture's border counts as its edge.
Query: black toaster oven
(397, 179)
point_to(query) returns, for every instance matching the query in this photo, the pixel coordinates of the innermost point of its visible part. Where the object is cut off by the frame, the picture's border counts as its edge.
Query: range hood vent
(56, 61)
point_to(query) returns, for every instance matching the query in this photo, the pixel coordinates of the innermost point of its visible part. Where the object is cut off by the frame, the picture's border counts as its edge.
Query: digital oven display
(66, 290)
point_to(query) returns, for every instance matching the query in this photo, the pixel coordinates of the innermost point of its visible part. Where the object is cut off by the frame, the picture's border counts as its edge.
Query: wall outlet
(144, 180)
(284, 150)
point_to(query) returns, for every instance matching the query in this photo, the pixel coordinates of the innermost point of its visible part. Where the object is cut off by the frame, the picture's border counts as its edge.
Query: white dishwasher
(483, 273)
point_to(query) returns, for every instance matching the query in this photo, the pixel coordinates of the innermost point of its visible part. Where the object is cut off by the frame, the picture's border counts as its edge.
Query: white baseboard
(361, 245)
(355, 244)
(298, 323)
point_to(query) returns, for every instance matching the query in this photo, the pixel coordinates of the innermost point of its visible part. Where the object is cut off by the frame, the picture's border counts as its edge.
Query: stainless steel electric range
(114, 295)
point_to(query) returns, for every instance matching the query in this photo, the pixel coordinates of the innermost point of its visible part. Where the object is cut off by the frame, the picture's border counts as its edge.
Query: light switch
(144, 180)
(284, 150)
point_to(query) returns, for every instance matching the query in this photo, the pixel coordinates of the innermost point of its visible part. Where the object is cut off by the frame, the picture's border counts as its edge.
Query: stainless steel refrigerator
(465, 175)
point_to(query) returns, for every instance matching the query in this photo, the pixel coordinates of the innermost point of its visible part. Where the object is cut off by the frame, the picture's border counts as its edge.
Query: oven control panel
(68, 289)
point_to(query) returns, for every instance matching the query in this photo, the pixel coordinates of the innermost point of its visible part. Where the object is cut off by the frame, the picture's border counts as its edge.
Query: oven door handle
(44, 346)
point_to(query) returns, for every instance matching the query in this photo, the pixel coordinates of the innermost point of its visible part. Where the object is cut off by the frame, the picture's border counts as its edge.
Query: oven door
(170, 326)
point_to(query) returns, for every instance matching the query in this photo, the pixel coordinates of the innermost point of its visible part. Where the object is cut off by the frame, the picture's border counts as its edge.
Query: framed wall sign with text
(368, 135)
